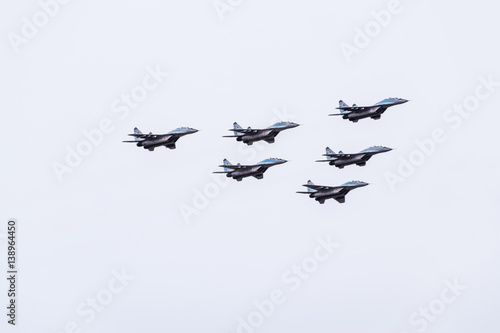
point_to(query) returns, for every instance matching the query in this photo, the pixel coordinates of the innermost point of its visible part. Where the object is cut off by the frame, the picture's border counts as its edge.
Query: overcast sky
(199, 250)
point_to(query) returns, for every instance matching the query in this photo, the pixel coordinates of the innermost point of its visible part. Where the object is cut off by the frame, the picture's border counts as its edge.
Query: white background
(121, 207)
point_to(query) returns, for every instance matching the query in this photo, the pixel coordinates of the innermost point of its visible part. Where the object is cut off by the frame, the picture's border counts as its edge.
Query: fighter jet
(151, 141)
(321, 193)
(340, 160)
(239, 171)
(250, 135)
(354, 112)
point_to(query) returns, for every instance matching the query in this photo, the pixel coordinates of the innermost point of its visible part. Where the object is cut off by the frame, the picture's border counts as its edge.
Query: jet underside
(166, 140)
(373, 113)
(257, 172)
(267, 136)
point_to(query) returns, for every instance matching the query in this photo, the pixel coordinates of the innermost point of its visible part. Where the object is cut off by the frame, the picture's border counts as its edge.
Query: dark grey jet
(340, 160)
(239, 171)
(250, 135)
(321, 193)
(151, 141)
(354, 112)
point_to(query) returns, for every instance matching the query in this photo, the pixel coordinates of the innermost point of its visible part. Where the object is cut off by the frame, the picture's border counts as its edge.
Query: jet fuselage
(373, 113)
(164, 140)
(358, 160)
(247, 172)
(267, 135)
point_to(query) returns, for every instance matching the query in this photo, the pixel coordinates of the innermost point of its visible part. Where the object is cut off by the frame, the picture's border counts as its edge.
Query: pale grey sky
(253, 62)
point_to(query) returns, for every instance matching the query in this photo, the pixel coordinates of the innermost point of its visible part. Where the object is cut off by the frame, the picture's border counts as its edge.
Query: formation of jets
(249, 135)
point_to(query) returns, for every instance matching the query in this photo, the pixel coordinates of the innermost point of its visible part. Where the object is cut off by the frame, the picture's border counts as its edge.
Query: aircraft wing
(237, 166)
(246, 130)
(323, 188)
(354, 108)
(231, 166)
(343, 156)
(145, 136)
(340, 114)
(361, 108)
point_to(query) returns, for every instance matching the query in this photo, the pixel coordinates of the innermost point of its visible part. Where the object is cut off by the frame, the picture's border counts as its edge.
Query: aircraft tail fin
(226, 162)
(237, 127)
(329, 152)
(342, 104)
(137, 131)
(310, 190)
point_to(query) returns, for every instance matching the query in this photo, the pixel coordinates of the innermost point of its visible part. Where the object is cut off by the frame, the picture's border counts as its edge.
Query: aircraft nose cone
(402, 100)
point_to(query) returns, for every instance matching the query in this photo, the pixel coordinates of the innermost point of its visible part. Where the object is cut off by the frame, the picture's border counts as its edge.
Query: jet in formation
(251, 135)
(354, 112)
(340, 160)
(239, 171)
(321, 193)
(151, 141)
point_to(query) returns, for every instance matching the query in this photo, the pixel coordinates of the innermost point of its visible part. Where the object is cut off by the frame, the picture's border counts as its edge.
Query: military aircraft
(151, 141)
(321, 193)
(250, 135)
(239, 171)
(340, 160)
(354, 112)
